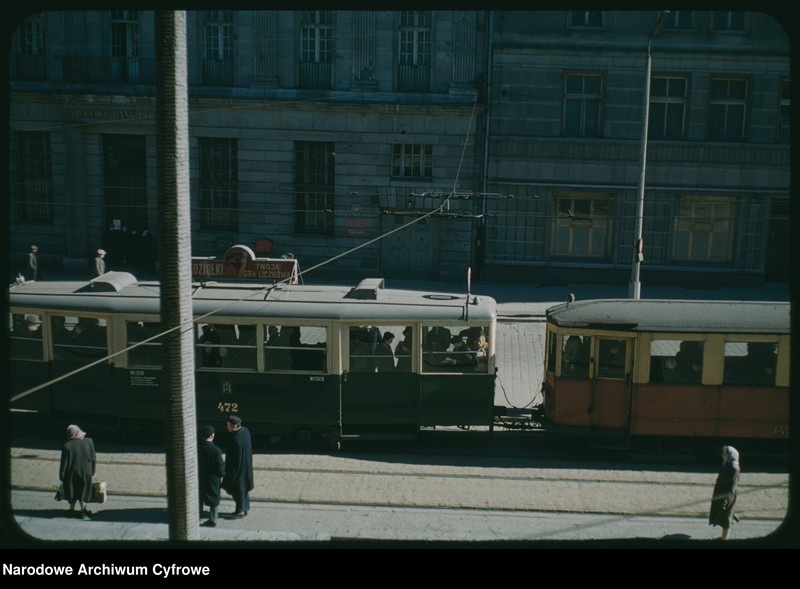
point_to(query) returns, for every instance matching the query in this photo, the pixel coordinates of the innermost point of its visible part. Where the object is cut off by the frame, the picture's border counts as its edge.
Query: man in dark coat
(211, 469)
(78, 464)
(239, 466)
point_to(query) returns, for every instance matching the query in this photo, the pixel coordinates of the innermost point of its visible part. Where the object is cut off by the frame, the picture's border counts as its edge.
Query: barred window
(218, 184)
(412, 161)
(314, 186)
(34, 178)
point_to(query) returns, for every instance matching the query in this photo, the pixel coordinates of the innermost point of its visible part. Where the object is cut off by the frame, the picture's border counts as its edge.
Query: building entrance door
(125, 175)
(411, 252)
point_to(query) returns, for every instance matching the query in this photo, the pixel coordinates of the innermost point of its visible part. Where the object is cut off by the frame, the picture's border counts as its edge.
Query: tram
(630, 372)
(331, 361)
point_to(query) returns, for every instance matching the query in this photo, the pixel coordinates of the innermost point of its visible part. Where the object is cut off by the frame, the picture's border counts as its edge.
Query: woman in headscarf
(724, 499)
(78, 465)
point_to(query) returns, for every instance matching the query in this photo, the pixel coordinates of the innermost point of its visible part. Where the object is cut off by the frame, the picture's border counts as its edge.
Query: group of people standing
(234, 474)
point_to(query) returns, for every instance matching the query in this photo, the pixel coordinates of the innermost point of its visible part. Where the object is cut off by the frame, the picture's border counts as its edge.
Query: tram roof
(673, 316)
(120, 293)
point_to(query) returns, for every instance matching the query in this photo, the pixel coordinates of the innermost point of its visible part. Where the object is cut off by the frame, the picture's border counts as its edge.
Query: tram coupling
(516, 419)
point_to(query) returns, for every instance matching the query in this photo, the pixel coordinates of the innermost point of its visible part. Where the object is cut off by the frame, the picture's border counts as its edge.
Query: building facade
(503, 141)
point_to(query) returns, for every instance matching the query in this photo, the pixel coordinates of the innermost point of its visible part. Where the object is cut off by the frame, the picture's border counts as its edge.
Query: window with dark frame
(703, 229)
(727, 109)
(34, 196)
(581, 226)
(316, 48)
(582, 103)
(314, 186)
(414, 52)
(125, 45)
(218, 50)
(667, 108)
(679, 20)
(412, 161)
(586, 18)
(219, 184)
(784, 114)
(728, 20)
(30, 60)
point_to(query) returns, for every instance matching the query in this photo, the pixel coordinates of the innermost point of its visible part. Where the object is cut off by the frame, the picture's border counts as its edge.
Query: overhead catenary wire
(189, 324)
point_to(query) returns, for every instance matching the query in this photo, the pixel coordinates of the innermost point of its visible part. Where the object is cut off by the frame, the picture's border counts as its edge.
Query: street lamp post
(635, 287)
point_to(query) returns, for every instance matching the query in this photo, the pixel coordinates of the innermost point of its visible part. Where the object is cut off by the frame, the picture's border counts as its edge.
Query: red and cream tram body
(635, 370)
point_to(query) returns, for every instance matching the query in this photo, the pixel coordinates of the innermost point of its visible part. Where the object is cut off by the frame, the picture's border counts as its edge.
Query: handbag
(60, 492)
(98, 492)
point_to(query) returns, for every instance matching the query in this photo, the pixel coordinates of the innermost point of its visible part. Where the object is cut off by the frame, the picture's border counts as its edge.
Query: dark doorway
(125, 175)
(411, 252)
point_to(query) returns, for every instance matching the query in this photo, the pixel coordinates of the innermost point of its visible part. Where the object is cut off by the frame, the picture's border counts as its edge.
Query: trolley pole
(172, 129)
(635, 287)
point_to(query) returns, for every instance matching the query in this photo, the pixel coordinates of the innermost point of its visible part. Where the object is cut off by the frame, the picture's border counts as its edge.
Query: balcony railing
(315, 76)
(31, 68)
(134, 70)
(414, 78)
(218, 72)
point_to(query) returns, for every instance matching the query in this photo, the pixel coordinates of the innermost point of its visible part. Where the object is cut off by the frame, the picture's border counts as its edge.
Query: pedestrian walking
(100, 263)
(723, 500)
(238, 480)
(78, 466)
(211, 469)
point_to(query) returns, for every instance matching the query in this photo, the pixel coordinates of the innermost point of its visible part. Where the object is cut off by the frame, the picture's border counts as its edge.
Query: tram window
(454, 349)
(676, 361)
(209, 346)
(148, 354)
(241, 347)
(380, 348)
(575, 355)
(295, 347)
(750, 363)
(612, 358)
(78, 339)
(25, 336)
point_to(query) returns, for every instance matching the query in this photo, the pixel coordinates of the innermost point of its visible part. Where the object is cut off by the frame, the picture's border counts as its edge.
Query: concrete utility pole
(172, 124)
(635, 287)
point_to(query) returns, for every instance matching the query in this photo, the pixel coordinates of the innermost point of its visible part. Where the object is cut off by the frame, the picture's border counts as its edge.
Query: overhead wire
(189, 324)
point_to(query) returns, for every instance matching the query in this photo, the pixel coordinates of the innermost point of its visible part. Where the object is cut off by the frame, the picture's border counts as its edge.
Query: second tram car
(340, 362)
(626, 371)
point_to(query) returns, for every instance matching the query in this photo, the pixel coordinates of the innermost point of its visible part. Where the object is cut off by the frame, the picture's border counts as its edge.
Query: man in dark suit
(239, 466)
(211, 469)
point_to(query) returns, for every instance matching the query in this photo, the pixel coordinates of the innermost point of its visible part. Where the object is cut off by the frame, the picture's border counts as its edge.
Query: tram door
(379, 393)
(609, 412)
